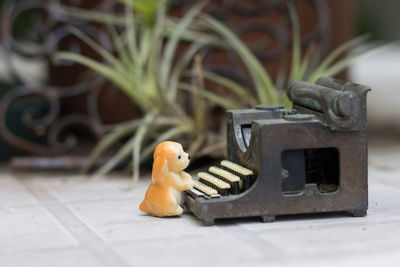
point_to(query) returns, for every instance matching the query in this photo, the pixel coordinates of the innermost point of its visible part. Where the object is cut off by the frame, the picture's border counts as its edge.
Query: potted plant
(147, 68)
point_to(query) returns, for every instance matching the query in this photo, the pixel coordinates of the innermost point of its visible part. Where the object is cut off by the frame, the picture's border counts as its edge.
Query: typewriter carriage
(310, 159)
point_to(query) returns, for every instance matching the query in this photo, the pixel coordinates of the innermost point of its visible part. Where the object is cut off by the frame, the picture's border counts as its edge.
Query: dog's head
(169, 157)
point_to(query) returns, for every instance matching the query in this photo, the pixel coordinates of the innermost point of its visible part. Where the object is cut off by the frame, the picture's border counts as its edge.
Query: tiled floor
(53, 220)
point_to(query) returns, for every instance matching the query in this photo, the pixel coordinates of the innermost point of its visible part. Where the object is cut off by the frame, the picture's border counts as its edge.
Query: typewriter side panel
(352, 192)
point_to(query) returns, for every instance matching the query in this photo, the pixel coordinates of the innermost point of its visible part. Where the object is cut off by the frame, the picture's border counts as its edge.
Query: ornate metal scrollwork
(52, 29)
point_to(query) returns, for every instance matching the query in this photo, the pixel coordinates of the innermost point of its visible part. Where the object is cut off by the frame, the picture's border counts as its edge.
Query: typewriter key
(235, 182)
(212, 181)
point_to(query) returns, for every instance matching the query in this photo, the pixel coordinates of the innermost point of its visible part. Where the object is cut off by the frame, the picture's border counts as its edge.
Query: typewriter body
(310, 159)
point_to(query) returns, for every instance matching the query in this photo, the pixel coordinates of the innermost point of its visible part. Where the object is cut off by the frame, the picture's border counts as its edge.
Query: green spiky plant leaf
(145, 8)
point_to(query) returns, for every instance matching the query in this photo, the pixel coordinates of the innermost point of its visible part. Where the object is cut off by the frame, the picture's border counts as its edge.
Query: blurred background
(92, 86)
(61, 109)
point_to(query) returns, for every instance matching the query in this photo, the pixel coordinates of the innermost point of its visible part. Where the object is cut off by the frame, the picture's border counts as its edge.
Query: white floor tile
(50, 258)
(31, 227)
(12, 192)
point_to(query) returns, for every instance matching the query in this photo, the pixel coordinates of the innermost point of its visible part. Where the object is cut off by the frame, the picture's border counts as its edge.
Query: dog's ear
(160, 164)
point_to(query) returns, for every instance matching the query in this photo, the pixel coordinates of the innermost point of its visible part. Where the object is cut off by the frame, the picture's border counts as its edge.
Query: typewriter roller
(309, 159)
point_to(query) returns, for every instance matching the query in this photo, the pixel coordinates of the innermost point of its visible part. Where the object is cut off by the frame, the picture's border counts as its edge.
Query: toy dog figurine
(163, 197)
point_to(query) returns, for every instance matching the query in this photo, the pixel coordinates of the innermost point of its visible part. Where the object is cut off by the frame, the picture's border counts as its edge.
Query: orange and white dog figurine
(163, 197)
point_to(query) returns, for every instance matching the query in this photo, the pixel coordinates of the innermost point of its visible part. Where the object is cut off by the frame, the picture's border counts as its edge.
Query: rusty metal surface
(270, 41)
(303, 163)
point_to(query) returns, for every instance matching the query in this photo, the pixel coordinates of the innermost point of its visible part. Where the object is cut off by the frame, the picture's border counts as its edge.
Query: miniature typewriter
(310, 159)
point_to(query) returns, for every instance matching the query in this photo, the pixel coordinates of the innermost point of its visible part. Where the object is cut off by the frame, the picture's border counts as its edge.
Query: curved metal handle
(335, 105)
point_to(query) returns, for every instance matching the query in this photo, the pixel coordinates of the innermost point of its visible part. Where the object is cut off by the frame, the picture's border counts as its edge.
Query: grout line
(102, 251)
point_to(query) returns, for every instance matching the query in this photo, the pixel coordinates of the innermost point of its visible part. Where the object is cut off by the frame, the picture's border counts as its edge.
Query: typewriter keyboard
(227, 179)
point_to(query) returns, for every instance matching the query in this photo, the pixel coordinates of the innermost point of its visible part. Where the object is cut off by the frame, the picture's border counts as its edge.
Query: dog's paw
(189, 184)
(176, 212)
